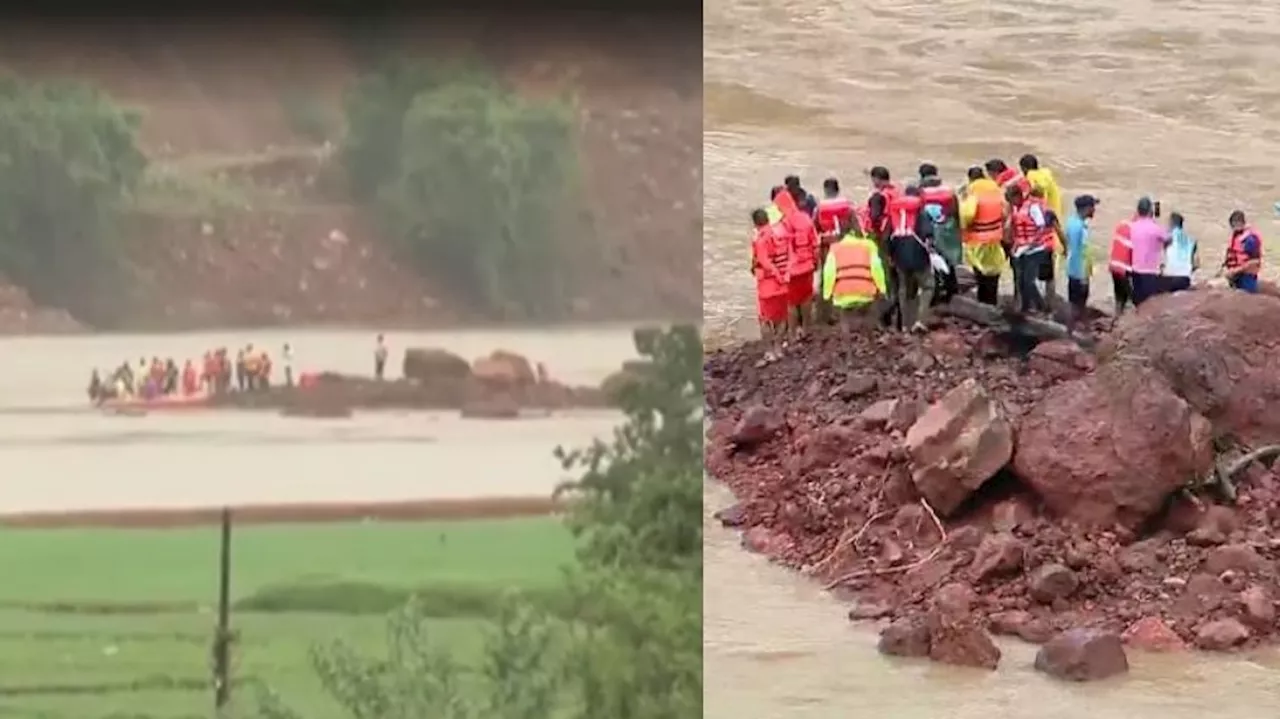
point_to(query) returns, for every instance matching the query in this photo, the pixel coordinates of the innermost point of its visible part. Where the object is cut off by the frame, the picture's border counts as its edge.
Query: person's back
(1181, 254)
(1148, 239)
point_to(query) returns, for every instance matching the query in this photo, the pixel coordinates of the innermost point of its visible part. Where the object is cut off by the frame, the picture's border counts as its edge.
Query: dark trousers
(1145, 286)
(988, 288)
(1026, 272)
(1176, 284)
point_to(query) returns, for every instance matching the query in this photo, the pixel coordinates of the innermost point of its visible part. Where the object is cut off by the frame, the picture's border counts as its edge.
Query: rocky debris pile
(964, 483)
(500, 385)
(19, 314)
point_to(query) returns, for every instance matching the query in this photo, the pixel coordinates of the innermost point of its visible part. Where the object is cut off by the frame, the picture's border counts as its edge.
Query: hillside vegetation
(180, 185)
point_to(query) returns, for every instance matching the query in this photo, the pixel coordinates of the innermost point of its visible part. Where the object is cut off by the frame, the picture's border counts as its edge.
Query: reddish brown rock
(954, 601)
(1061, 360)
(905, 638)
(1111, 447)
(1051, 582)
(732, 516)
(998, 555)
(1152, 634)
(1258, 607)
(957, 445)
(963, 643)
(427, 364)
(862, 611)
(763, 540)
(758, 425)
(1221, 635)
(1217, 347)
(1022, 624)
(1082, 655)
(877, 415)
(504, 369)
(1011, 513)
(1236, 557)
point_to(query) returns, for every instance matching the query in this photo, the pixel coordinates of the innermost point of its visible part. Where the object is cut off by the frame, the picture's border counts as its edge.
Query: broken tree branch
(937, 548)
(1223, 475)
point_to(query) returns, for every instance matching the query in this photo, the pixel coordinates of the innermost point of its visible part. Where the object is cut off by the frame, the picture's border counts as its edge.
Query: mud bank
(970, 482)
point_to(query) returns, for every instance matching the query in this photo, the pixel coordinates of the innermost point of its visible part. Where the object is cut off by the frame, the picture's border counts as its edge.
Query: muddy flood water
(1175, 99)
(57, 453)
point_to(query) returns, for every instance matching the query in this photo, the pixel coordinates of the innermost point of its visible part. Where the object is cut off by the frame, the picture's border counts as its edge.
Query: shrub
(470, 180)
(69, 162)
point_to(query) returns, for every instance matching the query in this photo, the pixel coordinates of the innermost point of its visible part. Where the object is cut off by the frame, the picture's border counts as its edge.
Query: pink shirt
(1148, 239)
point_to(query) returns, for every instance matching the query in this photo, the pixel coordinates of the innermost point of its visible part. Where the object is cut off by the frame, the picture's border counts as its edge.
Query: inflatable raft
(156, 404)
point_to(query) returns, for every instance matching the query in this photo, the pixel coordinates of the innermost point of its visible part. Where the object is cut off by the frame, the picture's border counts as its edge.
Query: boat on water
(162, 403)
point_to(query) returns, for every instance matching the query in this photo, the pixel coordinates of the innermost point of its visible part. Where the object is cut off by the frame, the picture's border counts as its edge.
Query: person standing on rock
(771, 255)
(853, 280)
(1149, 240)
(804, 258)
(834, 217)
(804, 199)
(1120, 263)
(943, 206)
(1181, 258)
(982, 218)
(910, 241)
(1030, 240)
(380, 358)
(1244, 254)
(883, 191)
(1079, 259)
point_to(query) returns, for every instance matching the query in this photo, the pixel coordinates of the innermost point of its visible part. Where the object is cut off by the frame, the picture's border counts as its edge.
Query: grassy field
(118, 623)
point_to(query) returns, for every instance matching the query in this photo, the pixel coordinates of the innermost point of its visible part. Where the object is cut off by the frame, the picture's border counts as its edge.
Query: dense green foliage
(470, 179)
(68, 162)
(628, 643)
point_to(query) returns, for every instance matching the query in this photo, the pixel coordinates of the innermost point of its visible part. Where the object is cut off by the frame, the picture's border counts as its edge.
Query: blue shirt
(1077, 232)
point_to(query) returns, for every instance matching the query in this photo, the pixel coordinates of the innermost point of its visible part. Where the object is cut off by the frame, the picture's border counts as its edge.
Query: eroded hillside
(244, 219)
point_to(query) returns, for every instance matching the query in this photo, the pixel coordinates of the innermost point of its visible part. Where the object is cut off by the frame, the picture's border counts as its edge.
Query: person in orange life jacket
(1244, 254)
(771, 255)
(1004, 176)
(882, 191)
(834, 217)
(1120, 264)
(1029, 236)
(910, 239)
(804, 256)
(804, 199)
(1047, 273)
(943, 206)
(982, 216)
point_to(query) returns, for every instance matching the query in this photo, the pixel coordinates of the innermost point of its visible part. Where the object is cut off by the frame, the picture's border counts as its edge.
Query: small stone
(905, 638)
(998, 555)
(1051, 582)
(1221, 635)
(1238, 557)
(869, 610)
(1152, 634)
(1083, 655)
(1259, 607)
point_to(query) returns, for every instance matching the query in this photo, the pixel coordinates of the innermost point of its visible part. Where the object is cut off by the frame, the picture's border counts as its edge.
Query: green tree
(628, 643)
(470, 179)
(69, 164)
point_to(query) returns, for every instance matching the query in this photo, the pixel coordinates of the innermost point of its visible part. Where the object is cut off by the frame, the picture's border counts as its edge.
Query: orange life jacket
(1121, 258)
(942, 196)
(803, 235)
(987, 226)
(904, 210)
(1011, 176)
(863, 213)
(833, 215)
(888, 192)
(767, 245)
(1025, 232)
(853, 271)
(1236, 256)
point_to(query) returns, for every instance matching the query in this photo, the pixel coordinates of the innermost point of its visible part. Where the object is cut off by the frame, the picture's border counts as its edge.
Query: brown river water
(1119, 99)
(57, 453)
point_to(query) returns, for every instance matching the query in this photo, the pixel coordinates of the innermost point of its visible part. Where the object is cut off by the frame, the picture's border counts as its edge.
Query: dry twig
(937, 548)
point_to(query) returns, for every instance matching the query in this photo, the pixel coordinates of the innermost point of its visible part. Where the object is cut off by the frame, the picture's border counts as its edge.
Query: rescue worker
(1120, 264)
(1148, 239)
(877, 227)
(1244, 254)
(853, 280)
(943, 206)
(1030, 239)
(241, 375)
(835, 216)
(1004, 176)
(804, 258)
(910, 238)
(96, 391)
(804, 199)
(379, 358)
(286, 355)
(1048, 270)
(982, 219)
(252, 367)
(771, 257)
(190, 379)
(1041, 179)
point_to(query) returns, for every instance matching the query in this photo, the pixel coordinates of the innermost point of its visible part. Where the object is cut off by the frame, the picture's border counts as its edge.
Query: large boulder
(428, 364)
(1111, 447)
(506, 369)
(1217, 349)
(958, 444)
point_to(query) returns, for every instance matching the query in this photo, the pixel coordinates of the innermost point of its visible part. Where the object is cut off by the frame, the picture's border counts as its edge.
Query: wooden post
(222, 635)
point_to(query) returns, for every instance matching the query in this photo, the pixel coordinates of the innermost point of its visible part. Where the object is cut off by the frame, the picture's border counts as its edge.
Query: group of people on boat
(889, 259)
(216, 372)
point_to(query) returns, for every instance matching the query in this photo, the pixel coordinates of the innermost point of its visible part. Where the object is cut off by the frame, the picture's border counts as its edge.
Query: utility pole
(222, 635)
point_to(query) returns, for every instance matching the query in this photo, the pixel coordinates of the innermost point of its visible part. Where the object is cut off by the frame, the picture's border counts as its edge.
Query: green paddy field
(118, 623)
